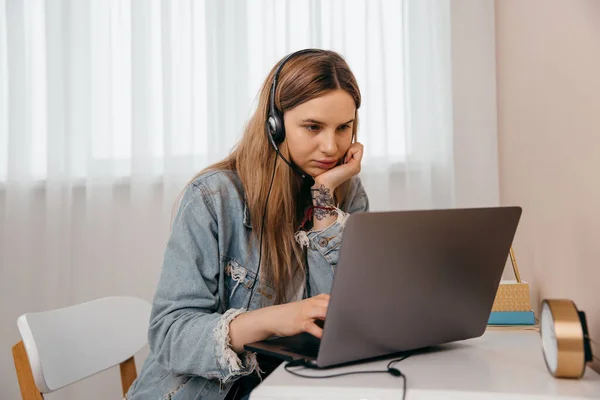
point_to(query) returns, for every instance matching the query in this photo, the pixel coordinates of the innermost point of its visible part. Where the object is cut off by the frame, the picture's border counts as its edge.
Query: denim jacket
(207, 275)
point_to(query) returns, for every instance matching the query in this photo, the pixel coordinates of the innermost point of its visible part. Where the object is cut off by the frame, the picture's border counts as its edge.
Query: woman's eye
(344, 127)
(312, 128)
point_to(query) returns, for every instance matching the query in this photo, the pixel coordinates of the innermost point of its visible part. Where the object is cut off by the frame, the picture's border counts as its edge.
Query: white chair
(62, 346)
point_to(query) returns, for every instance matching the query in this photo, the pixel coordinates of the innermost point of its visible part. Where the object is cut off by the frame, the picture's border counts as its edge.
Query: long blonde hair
(303, 77)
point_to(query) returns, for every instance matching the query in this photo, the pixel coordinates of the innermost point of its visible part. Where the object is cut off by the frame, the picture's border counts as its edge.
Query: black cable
(262, 225)
(390, 370)
(389, 367)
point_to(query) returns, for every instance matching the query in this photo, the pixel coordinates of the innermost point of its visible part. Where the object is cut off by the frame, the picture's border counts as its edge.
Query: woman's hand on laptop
(297, 317)
(281, 320)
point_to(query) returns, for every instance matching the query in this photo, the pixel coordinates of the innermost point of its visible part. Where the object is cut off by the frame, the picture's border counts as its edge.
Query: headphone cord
(262, 225)
(389, 370)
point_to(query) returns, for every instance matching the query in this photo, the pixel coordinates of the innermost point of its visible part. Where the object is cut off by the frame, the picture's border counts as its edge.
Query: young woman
(254, 244)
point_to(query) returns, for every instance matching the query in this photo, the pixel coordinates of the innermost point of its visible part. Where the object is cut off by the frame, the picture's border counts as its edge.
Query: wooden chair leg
(24, 374)
(128, 374)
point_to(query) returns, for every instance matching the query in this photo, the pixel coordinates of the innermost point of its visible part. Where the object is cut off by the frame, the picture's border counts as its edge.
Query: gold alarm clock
(565, 338)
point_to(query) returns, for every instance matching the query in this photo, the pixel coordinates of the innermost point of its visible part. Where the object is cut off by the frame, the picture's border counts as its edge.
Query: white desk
(498, 365)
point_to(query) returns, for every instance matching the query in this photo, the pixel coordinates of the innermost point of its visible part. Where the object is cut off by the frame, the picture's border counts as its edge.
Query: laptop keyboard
(308, 348)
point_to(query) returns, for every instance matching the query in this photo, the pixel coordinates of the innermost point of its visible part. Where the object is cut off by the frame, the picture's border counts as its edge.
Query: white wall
(474, 102)
(548, 54)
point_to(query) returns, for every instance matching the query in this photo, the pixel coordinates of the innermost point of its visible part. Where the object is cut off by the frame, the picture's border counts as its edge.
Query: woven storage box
(512, 296)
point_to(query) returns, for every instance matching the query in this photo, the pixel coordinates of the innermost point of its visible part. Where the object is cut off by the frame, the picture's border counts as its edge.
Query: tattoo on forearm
(322, 197)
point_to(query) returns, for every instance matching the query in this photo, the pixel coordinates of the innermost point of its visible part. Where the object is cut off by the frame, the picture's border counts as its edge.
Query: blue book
(511, 318)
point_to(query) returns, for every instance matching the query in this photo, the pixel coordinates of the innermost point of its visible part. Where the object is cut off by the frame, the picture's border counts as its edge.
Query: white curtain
(108, 107)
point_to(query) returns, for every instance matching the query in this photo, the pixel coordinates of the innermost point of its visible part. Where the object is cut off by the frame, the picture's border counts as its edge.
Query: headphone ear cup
(276, 128)
(271, 126)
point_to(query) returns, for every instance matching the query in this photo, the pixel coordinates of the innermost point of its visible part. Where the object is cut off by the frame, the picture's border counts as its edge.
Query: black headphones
(275, 128)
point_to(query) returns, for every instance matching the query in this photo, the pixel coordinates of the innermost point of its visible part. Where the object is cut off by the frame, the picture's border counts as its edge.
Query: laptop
(407, 280)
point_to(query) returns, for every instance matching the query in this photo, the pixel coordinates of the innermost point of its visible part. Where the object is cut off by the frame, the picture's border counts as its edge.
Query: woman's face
(319, 132)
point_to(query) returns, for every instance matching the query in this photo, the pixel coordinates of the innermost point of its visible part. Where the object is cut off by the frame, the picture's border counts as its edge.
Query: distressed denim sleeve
(186, 333)
(323, 246)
